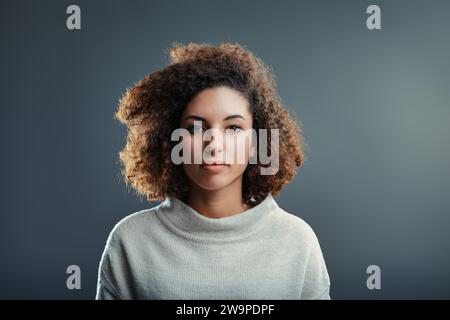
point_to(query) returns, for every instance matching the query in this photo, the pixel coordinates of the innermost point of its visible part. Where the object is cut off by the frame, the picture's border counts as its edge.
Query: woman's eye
(194, 129)
(235, 128)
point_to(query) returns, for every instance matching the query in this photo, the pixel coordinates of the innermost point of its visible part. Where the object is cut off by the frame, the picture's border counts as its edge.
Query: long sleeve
(111, 282)
(317, 281)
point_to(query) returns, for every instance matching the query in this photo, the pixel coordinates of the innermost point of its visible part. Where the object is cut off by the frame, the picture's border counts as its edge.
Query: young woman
(218, 232)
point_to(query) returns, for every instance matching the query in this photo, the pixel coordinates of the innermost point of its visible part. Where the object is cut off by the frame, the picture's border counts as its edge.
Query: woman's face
(226, 112)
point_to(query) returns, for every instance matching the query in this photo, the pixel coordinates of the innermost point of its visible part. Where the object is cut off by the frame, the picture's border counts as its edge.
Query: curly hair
(152, 108)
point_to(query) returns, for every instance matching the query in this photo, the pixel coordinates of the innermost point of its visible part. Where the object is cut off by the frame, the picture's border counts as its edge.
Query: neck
(217, 203)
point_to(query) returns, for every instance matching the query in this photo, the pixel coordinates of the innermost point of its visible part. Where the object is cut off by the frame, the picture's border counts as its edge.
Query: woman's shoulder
(294, 226)
(133, 224)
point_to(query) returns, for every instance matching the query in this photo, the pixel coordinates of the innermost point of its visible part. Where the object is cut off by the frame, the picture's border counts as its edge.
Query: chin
(213, 183)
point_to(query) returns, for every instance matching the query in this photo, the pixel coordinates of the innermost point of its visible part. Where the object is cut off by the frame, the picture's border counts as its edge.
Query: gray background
(374, 106)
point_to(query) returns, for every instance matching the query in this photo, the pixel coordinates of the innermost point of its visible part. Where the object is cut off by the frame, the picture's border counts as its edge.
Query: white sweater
(173, 252)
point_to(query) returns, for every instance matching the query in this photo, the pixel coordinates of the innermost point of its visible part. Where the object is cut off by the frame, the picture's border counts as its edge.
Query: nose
(215, 142)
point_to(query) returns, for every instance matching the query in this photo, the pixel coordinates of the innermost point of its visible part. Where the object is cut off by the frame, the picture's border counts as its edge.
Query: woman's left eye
(235, 128)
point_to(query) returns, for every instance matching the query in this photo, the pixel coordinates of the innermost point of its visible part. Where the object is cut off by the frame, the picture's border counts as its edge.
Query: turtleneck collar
(176, 213)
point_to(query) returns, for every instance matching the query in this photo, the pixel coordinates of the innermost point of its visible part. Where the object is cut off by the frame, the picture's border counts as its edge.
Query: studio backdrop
(368, 80)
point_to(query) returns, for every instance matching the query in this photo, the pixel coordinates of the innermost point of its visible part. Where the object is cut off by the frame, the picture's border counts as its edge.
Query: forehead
(217, 103)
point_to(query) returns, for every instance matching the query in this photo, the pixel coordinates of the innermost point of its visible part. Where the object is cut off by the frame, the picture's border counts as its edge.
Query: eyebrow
(233, 116)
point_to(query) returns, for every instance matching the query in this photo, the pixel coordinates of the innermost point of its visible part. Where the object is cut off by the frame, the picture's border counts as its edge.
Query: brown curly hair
(152, 108)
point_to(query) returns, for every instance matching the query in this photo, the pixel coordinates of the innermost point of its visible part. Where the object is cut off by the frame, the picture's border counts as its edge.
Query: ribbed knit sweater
(172, 251)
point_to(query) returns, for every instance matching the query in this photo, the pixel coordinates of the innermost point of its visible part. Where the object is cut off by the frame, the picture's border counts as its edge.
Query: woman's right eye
(194, 129)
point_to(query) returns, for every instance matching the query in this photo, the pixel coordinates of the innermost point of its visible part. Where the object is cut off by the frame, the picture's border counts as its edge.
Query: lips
(214, 166)
(214, 163)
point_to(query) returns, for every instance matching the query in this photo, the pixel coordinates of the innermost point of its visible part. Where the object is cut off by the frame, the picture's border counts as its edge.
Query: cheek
(237, 170)
(195, 144)
(238, 148)
(188, 169)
